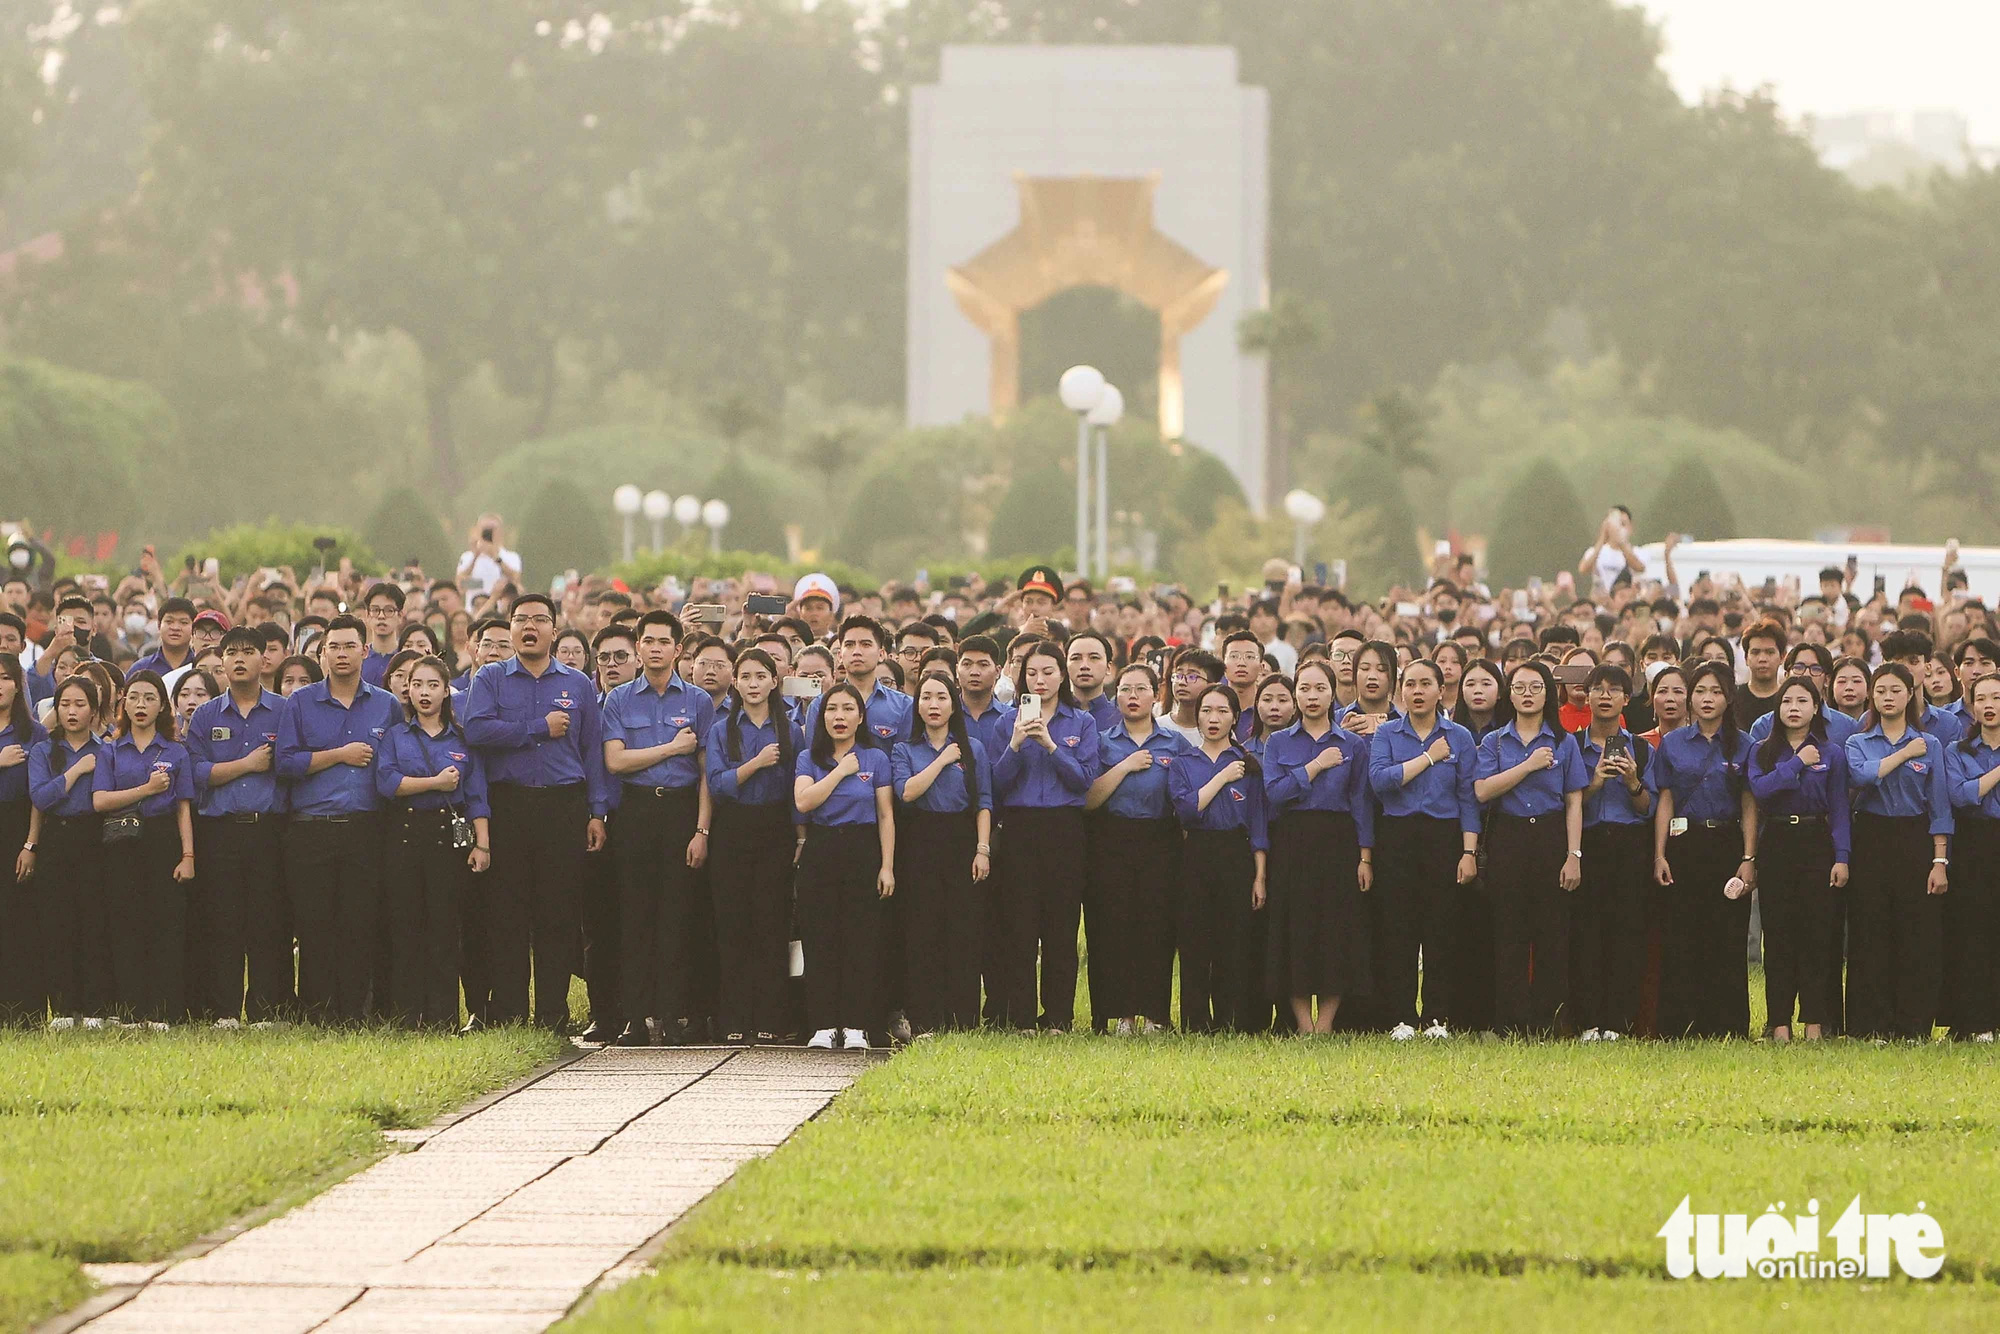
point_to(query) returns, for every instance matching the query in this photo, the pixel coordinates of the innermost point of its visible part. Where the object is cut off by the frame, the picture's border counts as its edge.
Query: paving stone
(113, 1275)
(197, 1310)
(520, 1229)
(482, 1267)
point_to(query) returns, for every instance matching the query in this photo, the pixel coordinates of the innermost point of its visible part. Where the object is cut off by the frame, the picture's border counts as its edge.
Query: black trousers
(1704, 935)
(1972, 927)
(333, 877)
(23, 986)
(68, 890)
(423, 879)
(1135, 883)
(147, 911)
(750, 852)
(1037, 902)
(656, 891)
(235, 915)
(1607, 926)
(534, 895)
(1415, 901)
(1795, 902)
(1895, 949)
(1530, 921)
(1216, 934)
(601, 946)
(944, 917)
(841, 916)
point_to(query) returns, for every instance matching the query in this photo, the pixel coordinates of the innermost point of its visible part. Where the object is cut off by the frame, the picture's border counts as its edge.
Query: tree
(404, 526)
(1542, 528)
(1283, 334)
(563, 530)
(1691, 501)
(1388, 554)
(754, 521)
(1394, 425)
(1036, 517)
(78, 452)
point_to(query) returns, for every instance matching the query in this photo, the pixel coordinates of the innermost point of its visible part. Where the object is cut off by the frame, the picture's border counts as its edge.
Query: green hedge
(244, 547)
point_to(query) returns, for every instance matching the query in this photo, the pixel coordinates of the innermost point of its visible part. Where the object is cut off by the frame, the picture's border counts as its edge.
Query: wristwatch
(29, 846)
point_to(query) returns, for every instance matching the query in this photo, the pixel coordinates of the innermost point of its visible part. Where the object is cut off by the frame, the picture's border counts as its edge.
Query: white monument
(1036, 169)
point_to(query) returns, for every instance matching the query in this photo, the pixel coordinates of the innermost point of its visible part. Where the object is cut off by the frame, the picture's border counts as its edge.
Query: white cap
(817, 585)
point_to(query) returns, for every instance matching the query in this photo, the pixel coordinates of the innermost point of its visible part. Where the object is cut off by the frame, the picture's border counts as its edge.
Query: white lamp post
(687, 512)
(657, 505)
(1080, 389)
(1306, 511)
(1109, 410)
(716, 515)
(626, 501)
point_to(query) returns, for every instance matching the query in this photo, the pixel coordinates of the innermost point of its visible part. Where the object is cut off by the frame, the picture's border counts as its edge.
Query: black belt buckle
(244, 817)
(1800, 819)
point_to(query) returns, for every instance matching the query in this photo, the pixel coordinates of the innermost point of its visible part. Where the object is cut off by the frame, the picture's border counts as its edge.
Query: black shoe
(598, 1032)
(735, 1039)
(633, 1035)
(769, 1040)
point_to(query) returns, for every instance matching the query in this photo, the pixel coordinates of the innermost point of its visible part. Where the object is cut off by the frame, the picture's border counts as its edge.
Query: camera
(765, 604)
(324, 544)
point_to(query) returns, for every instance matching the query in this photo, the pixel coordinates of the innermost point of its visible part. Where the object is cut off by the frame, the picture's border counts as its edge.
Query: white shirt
(480, 573)
(1287, 656)
(1610, 564)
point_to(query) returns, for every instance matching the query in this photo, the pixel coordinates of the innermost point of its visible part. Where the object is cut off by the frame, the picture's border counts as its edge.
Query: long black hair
(19, 716)
(1462, 715)
(1872, 719)
(163, 723)
(1385, 653)
(1552, 701)
(88, 685)
(822, 740)
(1969, 743)
(436, 663)
(1774, 746)
(781, 722)
(1044, 648)
(955, 725)
(1258, 731)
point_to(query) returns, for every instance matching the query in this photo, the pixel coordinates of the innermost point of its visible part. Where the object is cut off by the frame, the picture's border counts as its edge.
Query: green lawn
(986, 1182)
(124, 1146)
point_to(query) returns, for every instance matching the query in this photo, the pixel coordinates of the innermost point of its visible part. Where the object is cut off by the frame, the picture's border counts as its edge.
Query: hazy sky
(1841, 55)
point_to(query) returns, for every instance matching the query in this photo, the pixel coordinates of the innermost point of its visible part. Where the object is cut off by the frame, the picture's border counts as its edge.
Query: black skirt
(1318, 924)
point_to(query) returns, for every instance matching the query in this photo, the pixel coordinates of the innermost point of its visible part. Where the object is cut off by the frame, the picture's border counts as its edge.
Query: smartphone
(765, 604)
(1535, 586)
(708, 613)
(1031, 707)
(1571, 674)
(1222, 592)
(958, 581)
(799, 687)
(1881, 584)
(486, 534)
(1319, 573)
(1614, 746)
(1408, 609)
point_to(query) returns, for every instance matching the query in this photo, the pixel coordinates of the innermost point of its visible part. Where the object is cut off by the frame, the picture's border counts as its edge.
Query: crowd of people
(753, 815)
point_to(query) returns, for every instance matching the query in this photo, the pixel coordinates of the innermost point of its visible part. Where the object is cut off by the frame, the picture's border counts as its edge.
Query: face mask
(1003, 690)
(1446, 615)
(135, 623)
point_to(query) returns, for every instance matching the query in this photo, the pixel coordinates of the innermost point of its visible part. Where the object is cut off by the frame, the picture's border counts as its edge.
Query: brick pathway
(500, 1221)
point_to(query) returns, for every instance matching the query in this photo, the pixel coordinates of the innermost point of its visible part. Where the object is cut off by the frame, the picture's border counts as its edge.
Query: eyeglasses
(618, 657)
(1605, 688)
(533, 620)
(384, 610)
(1802, 670)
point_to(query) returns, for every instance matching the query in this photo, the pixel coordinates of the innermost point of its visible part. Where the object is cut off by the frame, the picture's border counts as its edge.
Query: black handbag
(119, 828)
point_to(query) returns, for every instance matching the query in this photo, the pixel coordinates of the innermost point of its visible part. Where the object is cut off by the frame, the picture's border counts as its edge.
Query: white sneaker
(157, 1025)
(855, 1039)
(265, 1025)
(823, 1039)
(1147, 1028)
(61, 1023)
(226, 1023)
(1437, 1030)
(1402, 1032)
(1610, 1035)
(1124, 1028)
(1590, 1035)
(1982, 1037)
(92, 1022)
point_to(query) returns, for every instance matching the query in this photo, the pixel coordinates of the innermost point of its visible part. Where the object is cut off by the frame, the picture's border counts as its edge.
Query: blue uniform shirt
(506, 716)
(1240, 805)
(312, 720)
(14, 778)
(1706, 781)
(643, 718)
(1542, 792)
(408, 751)
(219, 733)
(375, 666)
(122, 766)
(1613, 803)
(947, 794)
(1790, 788)
(853, 800)
(767, 787)
(1918, 787)
(1341, 788)
(1104, 711)
(156, 661)
(1964, 770)
(1946, 724)
(992, 729)
(1034, 777)
(1441, 791)
(1142, 795)
(47, 763)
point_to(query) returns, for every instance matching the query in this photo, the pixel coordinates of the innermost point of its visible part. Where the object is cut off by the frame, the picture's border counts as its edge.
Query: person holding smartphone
(1608, 917)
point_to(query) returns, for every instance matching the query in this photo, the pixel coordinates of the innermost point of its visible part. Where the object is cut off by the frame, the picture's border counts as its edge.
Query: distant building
(1895, 147)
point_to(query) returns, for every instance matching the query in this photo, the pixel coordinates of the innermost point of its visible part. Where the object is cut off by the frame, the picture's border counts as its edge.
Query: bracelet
(982, 847)
(187, 856)
(1940, 861)
(1749, 856)
(700, 831)
(28, 847)
(481, 847)
(1576, 853)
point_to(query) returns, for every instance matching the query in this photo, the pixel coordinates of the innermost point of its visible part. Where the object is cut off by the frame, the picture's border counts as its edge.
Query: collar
(645, 686)
(1584, 738)
(126, 742)
(1513, 730)
(323, 692)
(265, 700)
(1910, 732)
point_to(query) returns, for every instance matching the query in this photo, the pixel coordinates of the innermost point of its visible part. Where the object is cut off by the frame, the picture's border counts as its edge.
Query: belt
(247, 817)
(1796, 819)
(1713, 824)
(1534, 819)
(634, 790)
(350, 817)
(67, 821)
